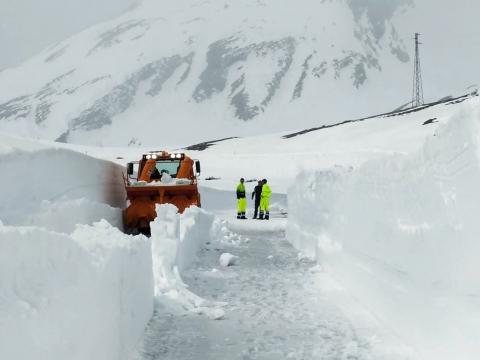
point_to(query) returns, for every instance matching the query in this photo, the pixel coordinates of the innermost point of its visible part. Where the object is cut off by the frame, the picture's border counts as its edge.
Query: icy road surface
(273, 309)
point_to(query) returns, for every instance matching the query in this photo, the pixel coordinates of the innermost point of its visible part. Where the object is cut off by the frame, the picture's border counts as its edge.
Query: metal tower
(417, 98)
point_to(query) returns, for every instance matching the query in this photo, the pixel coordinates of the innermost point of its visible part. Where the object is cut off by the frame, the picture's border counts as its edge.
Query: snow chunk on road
(217, 314)
(227, 259)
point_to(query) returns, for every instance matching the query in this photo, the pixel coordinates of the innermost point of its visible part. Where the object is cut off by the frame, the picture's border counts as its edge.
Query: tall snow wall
(31, 177)
(87, 295)
(72, 286)
(176, 240)
(402, 234)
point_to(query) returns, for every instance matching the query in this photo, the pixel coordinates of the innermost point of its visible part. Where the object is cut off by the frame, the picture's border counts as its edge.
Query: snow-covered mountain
(197, 69)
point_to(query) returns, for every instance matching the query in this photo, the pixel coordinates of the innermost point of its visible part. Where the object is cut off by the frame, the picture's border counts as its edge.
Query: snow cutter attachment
(158, 178)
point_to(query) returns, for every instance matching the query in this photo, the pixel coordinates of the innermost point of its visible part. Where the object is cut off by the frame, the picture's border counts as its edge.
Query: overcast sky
(450, 52)
(450, 34)
(28, 26)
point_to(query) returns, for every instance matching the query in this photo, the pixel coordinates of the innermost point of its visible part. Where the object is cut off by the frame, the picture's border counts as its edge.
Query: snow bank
(52, 175)
(64, 215)
(87, 295)
(72, 286)
(402, 234)
(176, 239)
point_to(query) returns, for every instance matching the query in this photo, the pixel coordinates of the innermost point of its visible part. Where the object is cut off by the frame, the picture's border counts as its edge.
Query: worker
(256, 194)
(155, 174)
(241, 200)
(265, 201)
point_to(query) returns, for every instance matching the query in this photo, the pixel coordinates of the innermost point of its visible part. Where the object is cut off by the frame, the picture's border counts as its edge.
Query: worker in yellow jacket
(265, 201)
(241, 200)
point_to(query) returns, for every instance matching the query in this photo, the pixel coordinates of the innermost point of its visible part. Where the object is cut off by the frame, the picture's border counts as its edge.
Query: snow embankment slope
(33, 174)
(176, 240)
(86, 295)
(281, 157)
(72, 286)
(401, 233)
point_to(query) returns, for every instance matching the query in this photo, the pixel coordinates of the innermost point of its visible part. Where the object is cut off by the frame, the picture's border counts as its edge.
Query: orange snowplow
(158, 178)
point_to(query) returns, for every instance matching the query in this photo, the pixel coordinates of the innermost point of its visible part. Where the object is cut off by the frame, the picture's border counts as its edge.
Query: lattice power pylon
(417, 98)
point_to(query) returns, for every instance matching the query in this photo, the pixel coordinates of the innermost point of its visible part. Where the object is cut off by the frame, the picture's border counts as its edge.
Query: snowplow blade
(143, 199)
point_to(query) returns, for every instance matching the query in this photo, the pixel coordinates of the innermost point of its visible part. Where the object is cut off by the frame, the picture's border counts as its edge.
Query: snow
(401, 234)
(386, 206)
(87, 295)
(52, 175)
(64, 214)
(273, 309)
(72, 285)
(227, 259)
(166, 179)
(280, 160)
(176, 239)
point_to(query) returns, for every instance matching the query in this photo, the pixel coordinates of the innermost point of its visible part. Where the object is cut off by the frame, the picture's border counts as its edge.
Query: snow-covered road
(273, 311)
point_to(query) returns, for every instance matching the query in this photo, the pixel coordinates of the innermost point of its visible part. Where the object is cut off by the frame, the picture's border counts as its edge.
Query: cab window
(168, 166)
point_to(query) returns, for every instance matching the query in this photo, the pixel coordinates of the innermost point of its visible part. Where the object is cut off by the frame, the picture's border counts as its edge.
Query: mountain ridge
(265, 67)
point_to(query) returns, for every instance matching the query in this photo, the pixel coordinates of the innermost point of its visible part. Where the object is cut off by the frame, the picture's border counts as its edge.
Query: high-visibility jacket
(265, 200)
(242, 199)
(266, 192)
(241, 191)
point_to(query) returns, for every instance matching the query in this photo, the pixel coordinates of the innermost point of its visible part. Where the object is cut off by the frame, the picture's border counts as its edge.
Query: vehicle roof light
(179, 156)
(154, 156)
(148, 157)
(172, 156)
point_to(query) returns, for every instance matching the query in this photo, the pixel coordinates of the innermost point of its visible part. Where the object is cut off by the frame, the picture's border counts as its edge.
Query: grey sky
(450, 52)
(28, 26)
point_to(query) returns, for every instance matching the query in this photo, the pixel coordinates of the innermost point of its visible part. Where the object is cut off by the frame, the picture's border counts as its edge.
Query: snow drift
(72, 286)
(176, 239)
(83, 296)
(29, 178)
(401, 233)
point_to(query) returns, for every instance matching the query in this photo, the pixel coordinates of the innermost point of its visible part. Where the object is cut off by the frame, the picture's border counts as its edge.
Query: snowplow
(158, 178)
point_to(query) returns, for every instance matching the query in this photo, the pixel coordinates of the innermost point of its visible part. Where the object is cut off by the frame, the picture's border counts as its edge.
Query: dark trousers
(257, 205)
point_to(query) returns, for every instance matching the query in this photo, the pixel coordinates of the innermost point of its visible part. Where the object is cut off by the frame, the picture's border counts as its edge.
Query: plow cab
(158, 178)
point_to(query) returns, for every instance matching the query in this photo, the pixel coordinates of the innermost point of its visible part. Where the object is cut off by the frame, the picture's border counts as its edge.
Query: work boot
(261, 216)
(243, 216)
(239, 216)
(267, 216)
